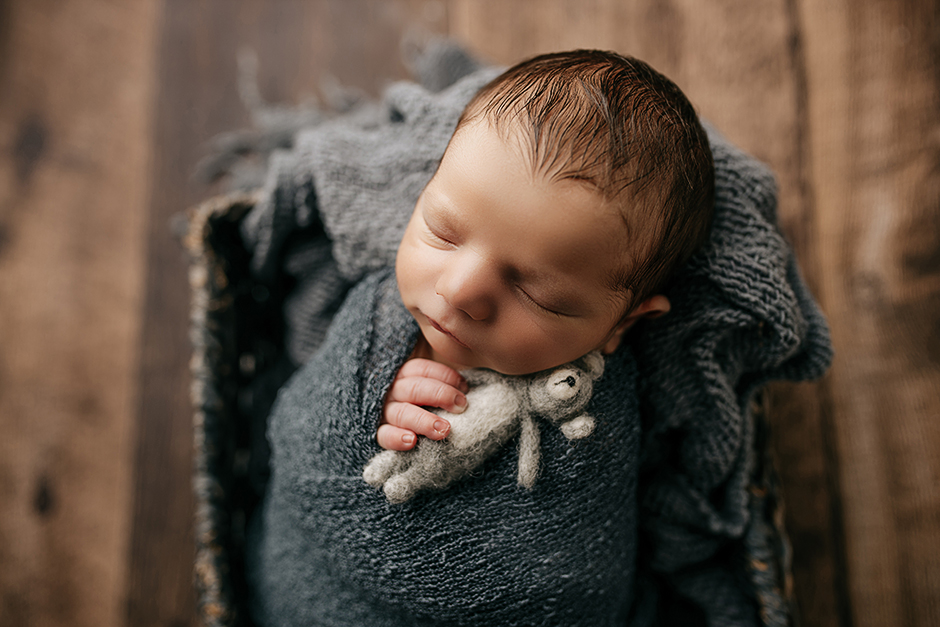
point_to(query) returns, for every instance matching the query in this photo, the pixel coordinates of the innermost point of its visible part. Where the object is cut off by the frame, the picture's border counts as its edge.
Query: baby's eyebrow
(434, 199)
(440, 210)
(439, 207)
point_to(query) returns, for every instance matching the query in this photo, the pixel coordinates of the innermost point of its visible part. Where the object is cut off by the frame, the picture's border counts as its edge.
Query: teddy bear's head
(559, 393)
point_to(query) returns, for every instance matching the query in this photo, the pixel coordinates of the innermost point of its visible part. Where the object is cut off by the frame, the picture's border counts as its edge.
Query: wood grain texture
(74, 164)
(874, 137)
(193, 85)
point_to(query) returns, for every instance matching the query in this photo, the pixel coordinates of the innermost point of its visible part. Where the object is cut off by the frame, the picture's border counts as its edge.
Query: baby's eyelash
(526, 296)
(439, 237)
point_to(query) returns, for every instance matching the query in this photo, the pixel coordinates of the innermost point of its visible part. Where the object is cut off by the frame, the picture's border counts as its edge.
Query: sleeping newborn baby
(573, 187)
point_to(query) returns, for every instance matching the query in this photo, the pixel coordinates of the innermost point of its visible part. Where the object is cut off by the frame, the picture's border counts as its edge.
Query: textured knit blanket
(333, 209)
(332, 550)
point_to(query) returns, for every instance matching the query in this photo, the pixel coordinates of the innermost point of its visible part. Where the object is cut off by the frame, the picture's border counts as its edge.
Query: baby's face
(504, 269)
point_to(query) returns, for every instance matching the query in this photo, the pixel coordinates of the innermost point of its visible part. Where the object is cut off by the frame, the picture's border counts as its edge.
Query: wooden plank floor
(105, 108)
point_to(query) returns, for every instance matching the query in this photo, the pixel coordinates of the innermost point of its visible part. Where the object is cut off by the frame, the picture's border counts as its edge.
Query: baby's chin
(467, 359)
(458, 360)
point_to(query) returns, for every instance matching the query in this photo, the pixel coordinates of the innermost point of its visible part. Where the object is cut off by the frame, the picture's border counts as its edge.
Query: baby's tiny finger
(433, 370)
(428, 393)
(414, 418)
(392, 438)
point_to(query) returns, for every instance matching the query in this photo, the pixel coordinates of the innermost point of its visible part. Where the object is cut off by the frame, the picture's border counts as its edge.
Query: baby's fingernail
(408, 438)
(464, 386)
(461, 402)
(441, 427)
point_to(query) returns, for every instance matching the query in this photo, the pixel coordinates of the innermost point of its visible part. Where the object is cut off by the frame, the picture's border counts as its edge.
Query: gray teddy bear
(498, 407)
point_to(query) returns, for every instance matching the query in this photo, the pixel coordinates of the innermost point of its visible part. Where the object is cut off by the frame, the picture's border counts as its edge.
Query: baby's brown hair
(617, 124)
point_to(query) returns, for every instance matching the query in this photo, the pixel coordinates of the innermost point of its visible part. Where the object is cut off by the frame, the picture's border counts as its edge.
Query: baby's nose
(467, 285)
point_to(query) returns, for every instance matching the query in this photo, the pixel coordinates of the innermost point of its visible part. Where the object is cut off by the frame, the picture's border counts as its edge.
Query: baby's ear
(652, 307)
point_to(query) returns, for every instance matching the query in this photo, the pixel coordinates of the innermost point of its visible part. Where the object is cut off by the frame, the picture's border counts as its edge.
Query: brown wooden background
(104, 108)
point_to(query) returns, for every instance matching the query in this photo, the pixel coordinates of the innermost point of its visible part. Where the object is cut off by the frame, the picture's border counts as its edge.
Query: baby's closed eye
(547, 308)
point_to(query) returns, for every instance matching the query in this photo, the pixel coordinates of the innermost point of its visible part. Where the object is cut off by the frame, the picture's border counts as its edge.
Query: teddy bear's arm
(578, 428)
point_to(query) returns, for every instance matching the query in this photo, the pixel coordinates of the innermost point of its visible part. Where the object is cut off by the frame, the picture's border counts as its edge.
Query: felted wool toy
(498, 408)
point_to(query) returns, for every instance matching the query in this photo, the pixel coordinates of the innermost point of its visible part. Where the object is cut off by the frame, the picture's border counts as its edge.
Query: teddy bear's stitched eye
(563, 385)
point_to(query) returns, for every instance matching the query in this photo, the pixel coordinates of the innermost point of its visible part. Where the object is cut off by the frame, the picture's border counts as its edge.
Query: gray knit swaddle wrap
(333, 551)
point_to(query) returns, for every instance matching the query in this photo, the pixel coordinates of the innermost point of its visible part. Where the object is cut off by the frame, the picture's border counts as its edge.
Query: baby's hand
(420, 382)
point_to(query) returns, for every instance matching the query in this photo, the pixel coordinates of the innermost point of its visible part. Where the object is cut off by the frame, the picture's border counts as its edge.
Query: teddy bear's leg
(528, 453)
(382, 466)
(579, 427)
(429, 468)
(399, 489)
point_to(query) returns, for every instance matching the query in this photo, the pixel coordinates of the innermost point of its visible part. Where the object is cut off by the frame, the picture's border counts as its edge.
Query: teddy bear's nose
(569, 380)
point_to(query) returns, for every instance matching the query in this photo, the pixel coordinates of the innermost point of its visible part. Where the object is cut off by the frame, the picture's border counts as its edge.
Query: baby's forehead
(563, 176)
(547, 158)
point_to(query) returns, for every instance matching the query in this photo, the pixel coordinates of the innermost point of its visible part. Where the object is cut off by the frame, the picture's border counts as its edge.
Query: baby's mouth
(444, 331)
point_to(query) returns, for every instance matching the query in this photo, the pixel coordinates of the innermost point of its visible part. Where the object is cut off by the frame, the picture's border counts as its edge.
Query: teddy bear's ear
(594, 364)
